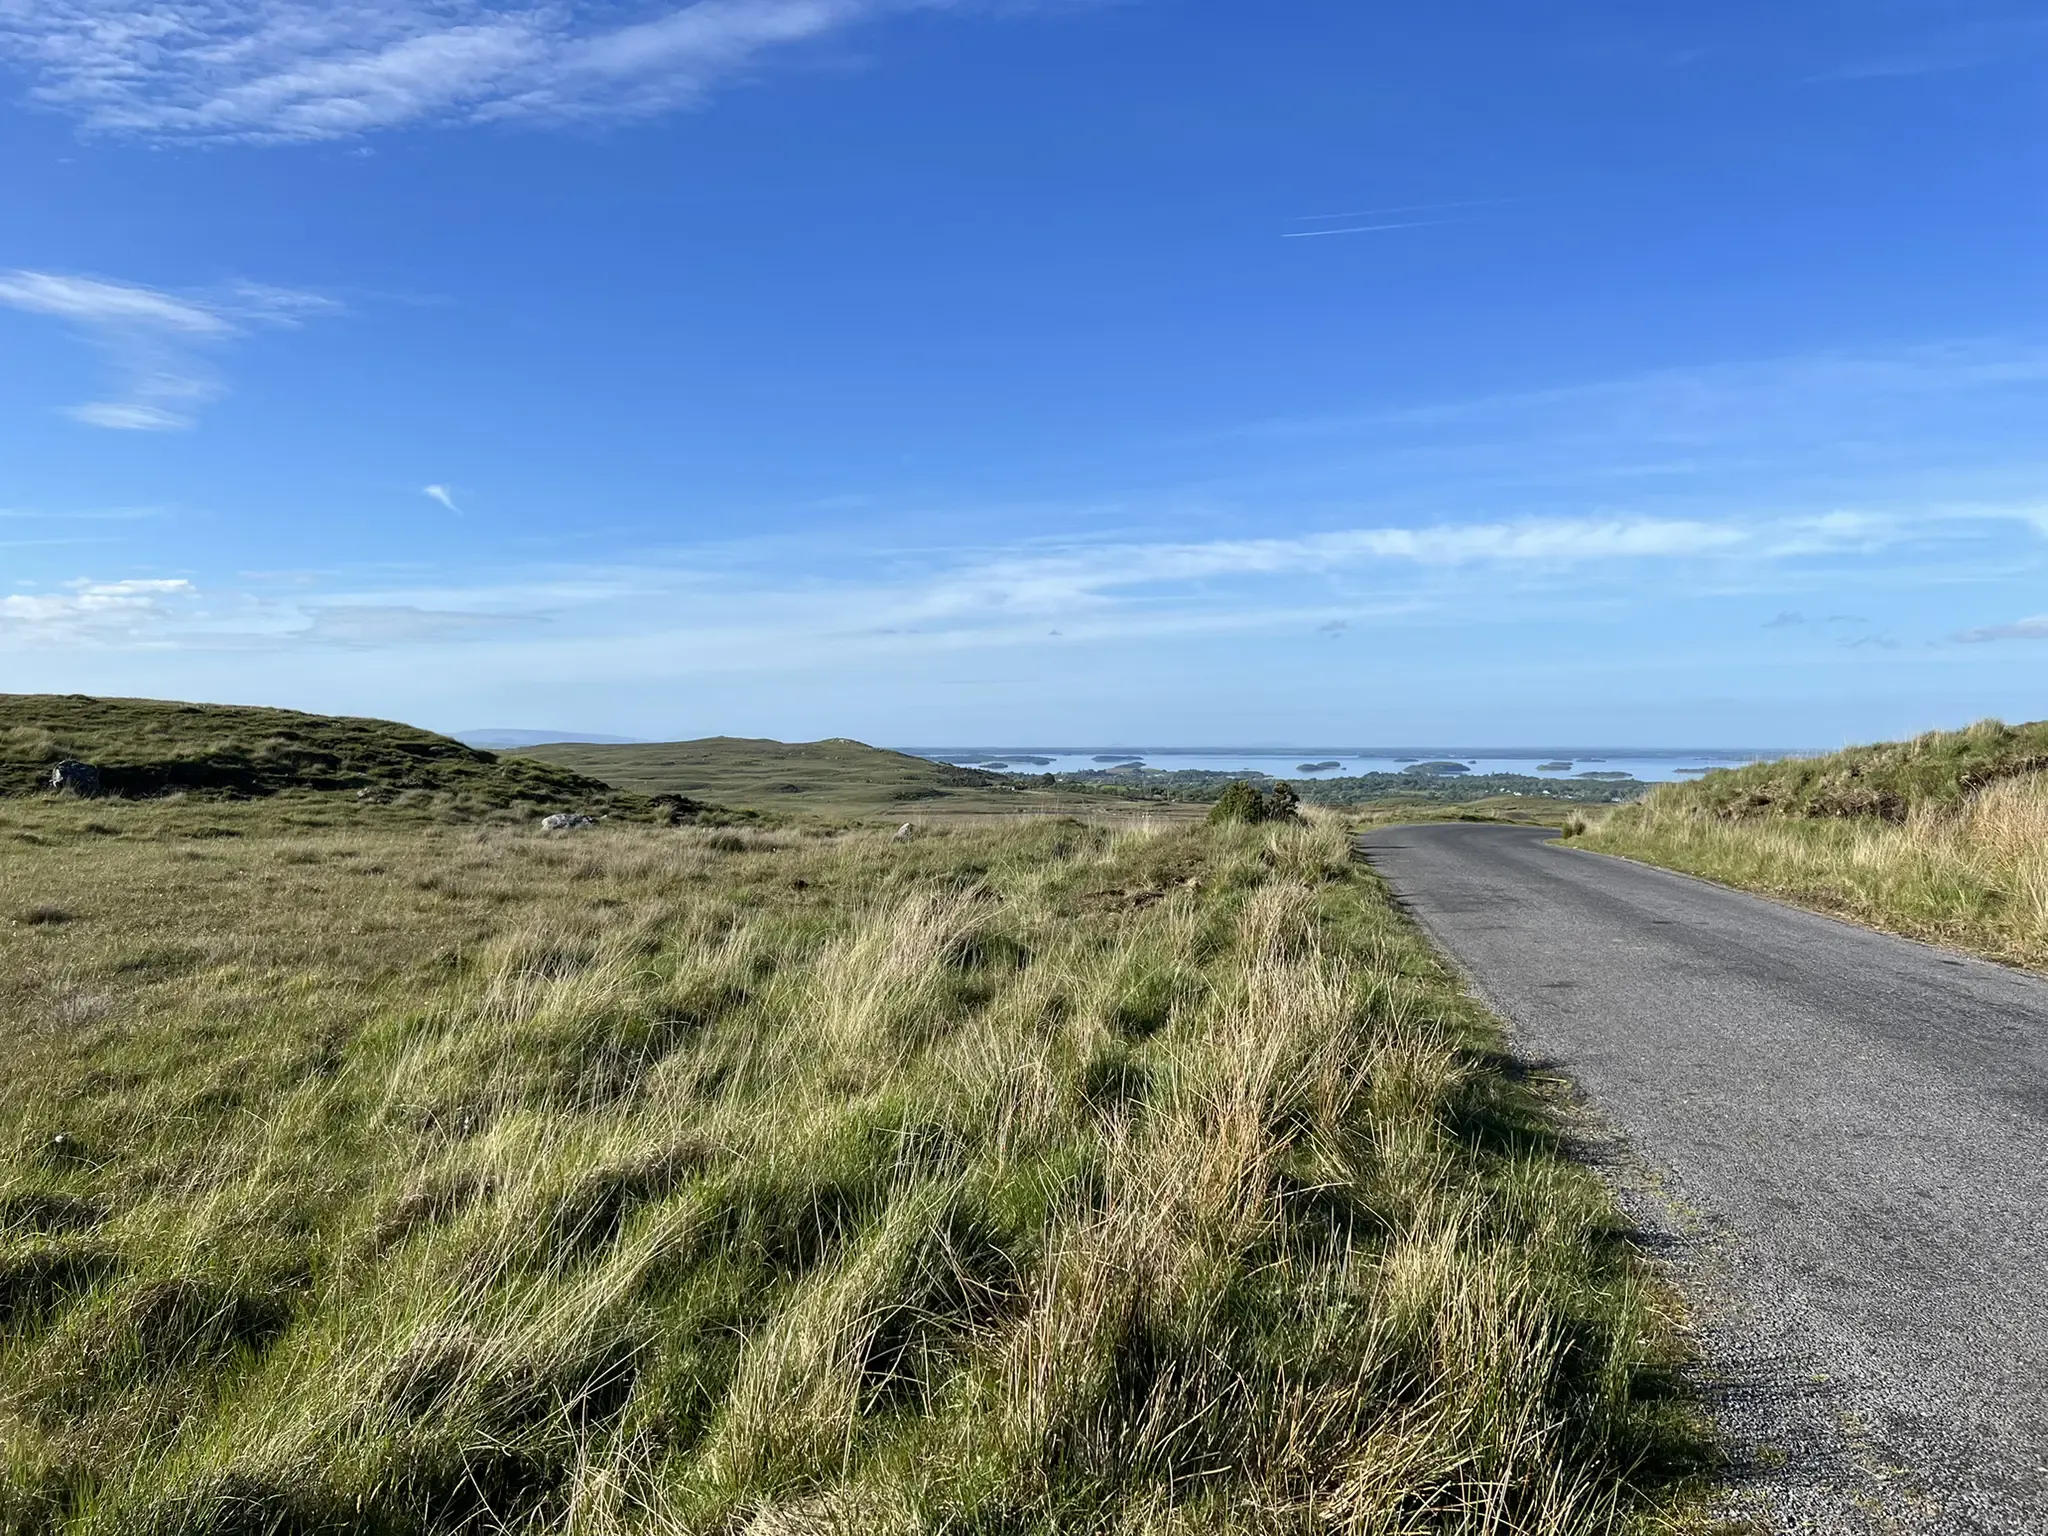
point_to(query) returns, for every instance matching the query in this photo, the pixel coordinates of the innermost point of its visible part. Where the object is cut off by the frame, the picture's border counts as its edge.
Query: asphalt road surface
(1841, 1136)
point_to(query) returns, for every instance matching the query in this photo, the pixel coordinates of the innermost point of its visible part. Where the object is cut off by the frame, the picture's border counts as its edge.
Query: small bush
(1242, 804)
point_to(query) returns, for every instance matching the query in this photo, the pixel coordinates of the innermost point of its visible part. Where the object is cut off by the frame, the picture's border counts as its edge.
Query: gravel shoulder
(1837, 1139)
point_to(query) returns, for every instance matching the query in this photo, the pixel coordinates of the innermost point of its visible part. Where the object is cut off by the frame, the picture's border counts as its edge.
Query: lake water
(1646, 765)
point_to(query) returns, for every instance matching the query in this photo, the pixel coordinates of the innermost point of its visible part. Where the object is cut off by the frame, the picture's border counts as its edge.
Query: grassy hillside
(1944, 837)
(838, 778)
(1888, 781)
(148, 747)
(1043, 1178)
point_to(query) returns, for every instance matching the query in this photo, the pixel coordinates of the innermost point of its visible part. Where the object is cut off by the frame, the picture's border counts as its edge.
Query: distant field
(833, 779)
(1943, 837)
(365, 1173)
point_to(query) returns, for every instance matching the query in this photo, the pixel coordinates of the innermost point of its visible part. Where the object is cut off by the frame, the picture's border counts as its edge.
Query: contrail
(1363, 229)
(1374, 213)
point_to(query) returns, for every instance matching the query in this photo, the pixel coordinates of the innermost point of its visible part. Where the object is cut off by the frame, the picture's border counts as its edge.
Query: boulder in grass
(75, 778)
(566, 821)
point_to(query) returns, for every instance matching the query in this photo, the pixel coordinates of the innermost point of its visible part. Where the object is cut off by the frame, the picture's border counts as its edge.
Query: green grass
(836, 779)
(1943, 838)
(147, 747)
(1886, 781)
(365, 1173)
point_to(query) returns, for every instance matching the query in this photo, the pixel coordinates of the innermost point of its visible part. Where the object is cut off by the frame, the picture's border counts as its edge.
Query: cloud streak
(1365, 229)
(374, 625)
(723, 610)
(129, 614)
(2035, 628)
(155, 340)
(296, 70)
(443, 495)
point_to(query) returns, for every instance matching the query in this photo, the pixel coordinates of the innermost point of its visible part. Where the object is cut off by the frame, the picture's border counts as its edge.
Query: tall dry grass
(1043, 1178)
(1972, 873)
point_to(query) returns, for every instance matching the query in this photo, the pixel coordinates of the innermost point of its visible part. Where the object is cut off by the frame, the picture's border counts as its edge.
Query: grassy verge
(405, 1177)
(1944, 838)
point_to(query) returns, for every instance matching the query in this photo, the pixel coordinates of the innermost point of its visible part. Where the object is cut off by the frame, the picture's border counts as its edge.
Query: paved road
(1857, 1123)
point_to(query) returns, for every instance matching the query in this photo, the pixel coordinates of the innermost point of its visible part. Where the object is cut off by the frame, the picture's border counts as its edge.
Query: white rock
(76, 777)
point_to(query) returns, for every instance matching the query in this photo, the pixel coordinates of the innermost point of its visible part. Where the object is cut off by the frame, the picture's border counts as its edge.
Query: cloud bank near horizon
(729, 608)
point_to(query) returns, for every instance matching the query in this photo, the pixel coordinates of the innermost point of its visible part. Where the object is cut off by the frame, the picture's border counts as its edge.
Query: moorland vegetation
(1943, 837)
(367, 1170)
(835, 779)
(151, 747)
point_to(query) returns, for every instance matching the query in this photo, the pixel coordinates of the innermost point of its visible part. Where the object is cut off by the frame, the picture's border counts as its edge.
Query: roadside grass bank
(409, 1177)
(1943, 838)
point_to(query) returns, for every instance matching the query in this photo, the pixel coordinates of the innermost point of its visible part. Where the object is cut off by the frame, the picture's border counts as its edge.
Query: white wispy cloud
(1378, 213)
(133, 612)
(721, 609)
(1711, 402)
(2035, 628)
(1365, 229)
(385, 624)
(93, 302)
(443, 495)
(294, 69)
(1058, 582)
(155, 339)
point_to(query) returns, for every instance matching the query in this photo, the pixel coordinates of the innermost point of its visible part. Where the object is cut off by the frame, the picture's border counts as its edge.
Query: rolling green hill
(835, 778)
(149, 747)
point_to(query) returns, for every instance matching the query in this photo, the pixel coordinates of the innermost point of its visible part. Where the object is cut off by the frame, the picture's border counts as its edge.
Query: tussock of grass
(1951, 846)
(1041, 1178)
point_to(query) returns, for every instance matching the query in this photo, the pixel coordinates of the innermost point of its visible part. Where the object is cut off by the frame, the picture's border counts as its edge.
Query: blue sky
(949, 371)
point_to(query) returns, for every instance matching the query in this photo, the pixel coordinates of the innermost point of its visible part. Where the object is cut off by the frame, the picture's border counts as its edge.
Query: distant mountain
(494, 737)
